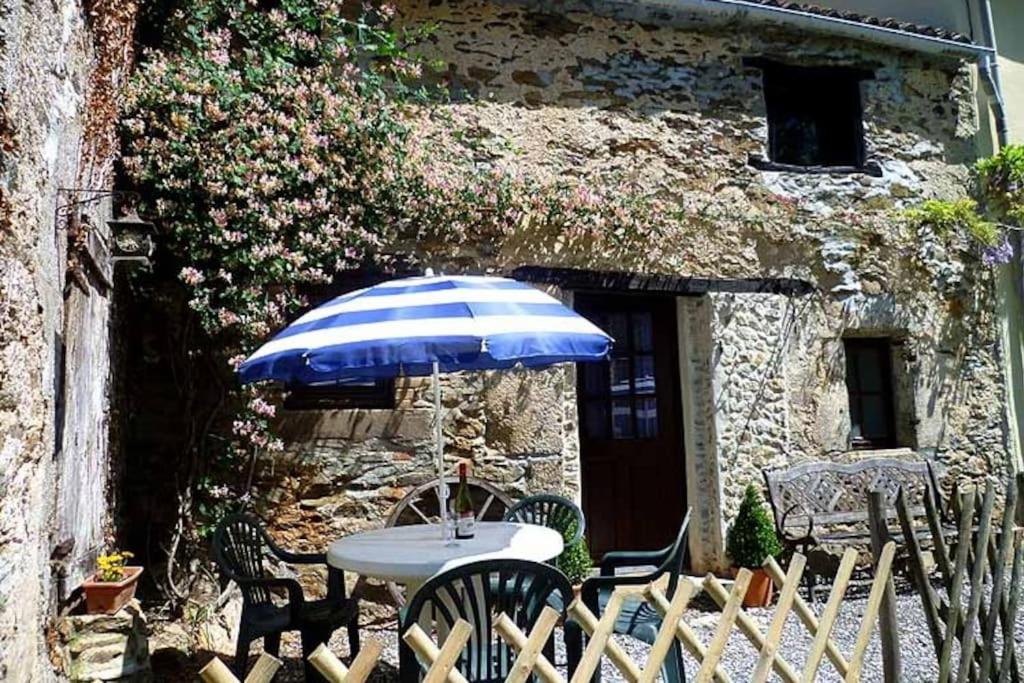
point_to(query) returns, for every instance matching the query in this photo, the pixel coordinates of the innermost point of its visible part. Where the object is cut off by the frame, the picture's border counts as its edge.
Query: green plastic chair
(638, 619)
(555, 512)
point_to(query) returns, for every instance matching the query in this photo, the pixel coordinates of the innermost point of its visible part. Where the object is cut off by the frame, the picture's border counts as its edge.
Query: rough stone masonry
(678, 110)
(55, 129)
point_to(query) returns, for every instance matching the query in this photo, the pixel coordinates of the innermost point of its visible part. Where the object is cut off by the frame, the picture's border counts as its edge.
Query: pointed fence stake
(684, 632)
(729, 613)
(879, 588)
(530, 659)
(807, 616)
(959, 570)
(599, 638)
(828, 616)
(425, 648)
(969, 641)
(769, 654)
(619, 658)
(667, 633)
(996, 600)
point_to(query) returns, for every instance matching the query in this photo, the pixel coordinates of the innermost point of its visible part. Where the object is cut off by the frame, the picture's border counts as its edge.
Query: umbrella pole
(442, 489)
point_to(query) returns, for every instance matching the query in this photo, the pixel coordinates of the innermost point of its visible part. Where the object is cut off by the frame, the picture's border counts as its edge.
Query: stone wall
(680, 112)
(54, 457)
(344, 470)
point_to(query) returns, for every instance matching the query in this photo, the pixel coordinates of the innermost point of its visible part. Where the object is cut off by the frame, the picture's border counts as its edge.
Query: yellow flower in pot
(113, 584)
(750, 541)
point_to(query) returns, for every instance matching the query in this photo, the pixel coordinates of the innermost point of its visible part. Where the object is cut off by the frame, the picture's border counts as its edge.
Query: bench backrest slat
(837, 493)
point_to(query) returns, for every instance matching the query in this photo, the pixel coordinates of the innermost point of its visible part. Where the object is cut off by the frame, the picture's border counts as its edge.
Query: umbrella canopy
(403, 327)
(427, 325)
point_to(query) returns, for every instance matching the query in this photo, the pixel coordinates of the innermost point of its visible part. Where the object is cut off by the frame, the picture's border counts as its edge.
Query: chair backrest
(676, 556)
(238, 547)
(478, 592)
(555, 512)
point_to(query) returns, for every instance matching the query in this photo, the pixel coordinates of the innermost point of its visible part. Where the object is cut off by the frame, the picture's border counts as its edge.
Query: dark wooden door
(631, 440)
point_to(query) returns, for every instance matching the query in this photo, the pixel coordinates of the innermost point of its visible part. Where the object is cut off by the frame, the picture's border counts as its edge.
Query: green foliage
(575, 561)
(752, 538)
(1001, 181)
(950, 217)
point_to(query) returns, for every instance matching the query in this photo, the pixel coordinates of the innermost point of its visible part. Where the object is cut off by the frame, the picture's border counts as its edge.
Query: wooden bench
(826, 503)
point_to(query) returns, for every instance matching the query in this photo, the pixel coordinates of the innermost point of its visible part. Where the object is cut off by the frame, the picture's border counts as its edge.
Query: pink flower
(191, 276)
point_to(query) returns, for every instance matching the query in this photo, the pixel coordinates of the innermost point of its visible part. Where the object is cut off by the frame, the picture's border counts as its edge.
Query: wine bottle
(465, 518)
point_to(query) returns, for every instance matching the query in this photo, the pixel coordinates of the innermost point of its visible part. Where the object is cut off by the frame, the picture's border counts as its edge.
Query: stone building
(735, 342)
(797, 318)
(58, 75)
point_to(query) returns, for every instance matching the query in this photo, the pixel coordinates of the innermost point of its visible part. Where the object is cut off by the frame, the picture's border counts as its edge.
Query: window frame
(380, 395)
(855, 348)
(778, 75)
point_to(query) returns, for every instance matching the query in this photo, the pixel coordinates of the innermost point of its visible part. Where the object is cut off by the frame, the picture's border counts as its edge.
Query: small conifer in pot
(750, 541)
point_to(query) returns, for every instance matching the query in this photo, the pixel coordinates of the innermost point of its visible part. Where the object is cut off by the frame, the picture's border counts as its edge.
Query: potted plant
(751, 540)
(113, 584)
(575, 560)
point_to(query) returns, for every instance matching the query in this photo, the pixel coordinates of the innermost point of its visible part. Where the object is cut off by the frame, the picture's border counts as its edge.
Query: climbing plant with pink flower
(282, 146)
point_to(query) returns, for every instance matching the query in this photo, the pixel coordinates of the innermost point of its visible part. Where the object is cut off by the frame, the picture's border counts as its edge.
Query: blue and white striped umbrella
(424, 325)
(403, 326)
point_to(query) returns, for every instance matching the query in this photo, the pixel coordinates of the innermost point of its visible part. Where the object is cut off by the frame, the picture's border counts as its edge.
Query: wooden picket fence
(440, 661)
(973, 569)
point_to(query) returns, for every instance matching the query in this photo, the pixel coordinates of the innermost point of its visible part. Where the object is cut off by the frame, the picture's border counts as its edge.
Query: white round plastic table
(412, 554)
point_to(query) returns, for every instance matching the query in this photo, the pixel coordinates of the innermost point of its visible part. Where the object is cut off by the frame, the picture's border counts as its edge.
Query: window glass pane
(642, 335)
(644, 374)
(869, 370)
(855, 418)
(874, 424)
(870, 386)
(620, 377)
(647, 417)
(622, 419)
(814, 115)
(595, 419)
(595, 379)
(617, 327)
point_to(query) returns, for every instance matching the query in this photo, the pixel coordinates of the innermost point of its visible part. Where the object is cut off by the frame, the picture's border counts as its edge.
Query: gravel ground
(919, 661)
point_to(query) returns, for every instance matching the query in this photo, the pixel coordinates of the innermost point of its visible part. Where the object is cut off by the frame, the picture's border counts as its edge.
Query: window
(869, 384)
(349, 393)
(814, 116)
(619, 400)
(344, 394)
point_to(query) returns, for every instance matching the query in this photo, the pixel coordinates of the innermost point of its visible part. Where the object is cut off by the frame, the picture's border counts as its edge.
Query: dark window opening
(869, 384)
(342, 395)
(346, 394)
(815, 116)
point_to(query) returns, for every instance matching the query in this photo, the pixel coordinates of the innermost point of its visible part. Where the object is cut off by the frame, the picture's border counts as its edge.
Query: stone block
(525, 411)
(103, 647)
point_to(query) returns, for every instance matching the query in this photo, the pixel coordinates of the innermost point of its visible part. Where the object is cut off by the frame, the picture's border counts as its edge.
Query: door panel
(631, 426)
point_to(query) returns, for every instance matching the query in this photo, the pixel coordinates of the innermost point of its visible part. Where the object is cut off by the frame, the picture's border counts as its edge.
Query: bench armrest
(808, 537)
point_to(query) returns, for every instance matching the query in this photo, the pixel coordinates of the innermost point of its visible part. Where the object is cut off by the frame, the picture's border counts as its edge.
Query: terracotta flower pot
(760, 591)
(107, 597)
